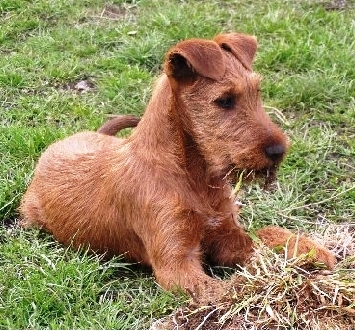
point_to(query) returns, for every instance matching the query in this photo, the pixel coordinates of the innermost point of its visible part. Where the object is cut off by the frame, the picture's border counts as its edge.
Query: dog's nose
(275, 152)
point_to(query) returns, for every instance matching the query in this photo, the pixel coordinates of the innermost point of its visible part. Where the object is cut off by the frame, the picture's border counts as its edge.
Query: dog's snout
(275, 152)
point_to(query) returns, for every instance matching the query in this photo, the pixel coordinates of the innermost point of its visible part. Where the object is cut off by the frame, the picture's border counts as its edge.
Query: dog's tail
(117, 123)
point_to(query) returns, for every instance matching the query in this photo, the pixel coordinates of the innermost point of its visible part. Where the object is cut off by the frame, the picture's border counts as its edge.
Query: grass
(46, 47)
(47, 286)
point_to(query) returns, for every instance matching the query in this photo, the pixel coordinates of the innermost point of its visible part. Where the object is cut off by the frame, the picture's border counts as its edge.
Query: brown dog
(162, 196)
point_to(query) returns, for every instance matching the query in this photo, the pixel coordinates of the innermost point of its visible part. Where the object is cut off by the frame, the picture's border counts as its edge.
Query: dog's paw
(314, 252)
(295, 245)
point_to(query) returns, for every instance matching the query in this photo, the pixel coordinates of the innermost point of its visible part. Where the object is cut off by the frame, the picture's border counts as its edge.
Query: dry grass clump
(272, 293)
(340, 239)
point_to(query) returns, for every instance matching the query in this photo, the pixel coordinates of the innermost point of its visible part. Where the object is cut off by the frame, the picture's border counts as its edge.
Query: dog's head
(217, 97)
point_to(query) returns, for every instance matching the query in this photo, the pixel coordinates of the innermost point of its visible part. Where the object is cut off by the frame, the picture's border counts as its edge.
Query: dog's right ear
(242, 46)
(195, 57)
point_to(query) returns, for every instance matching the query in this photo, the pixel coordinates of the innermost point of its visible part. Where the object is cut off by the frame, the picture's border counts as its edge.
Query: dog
(162, 196)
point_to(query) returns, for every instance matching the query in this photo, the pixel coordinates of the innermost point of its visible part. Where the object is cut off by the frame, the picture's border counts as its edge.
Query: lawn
(66, 65)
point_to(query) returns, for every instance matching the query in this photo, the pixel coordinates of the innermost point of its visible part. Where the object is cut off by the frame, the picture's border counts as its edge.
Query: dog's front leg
(227, 244)
(176, 256)
(295, 244)
(186, 275)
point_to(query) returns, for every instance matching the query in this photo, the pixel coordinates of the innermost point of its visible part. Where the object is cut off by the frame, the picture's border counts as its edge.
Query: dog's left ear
(194, 57)
(242, 46)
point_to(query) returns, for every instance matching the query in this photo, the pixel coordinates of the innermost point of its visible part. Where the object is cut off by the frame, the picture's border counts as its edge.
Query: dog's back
(70, 165)
(71, 184)
(66, 166)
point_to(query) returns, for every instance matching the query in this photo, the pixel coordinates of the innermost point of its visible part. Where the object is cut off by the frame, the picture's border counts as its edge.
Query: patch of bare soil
(118, 12)
(335, 5)
(272, 293)
(80, 86)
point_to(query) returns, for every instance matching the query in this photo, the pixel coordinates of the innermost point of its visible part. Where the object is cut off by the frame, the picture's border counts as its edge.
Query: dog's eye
(226, 102)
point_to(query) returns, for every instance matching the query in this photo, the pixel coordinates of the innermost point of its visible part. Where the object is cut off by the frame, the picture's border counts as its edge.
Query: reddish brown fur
(161, 196)
(295, 244)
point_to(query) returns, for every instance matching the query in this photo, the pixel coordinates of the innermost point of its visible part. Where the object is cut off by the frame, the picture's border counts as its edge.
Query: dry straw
(273, 293)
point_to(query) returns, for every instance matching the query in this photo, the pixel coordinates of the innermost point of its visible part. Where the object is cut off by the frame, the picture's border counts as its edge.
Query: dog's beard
(235, 176)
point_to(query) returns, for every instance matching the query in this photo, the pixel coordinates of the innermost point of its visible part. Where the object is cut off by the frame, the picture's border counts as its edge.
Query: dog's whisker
(251, 173)
(229, 172)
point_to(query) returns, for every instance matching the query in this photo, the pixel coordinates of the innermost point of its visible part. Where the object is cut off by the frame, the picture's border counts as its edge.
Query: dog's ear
(242, 46)
(195, 57)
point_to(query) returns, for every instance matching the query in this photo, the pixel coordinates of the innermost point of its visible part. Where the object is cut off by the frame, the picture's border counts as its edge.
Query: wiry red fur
(161, 196)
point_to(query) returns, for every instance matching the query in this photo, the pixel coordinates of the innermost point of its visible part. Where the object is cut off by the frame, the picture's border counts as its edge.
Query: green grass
(306, 57)
(47, 286)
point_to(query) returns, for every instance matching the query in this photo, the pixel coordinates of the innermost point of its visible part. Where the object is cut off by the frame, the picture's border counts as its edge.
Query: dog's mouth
(238, 176)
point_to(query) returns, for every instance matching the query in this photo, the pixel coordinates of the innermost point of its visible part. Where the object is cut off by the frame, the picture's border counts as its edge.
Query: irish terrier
(163, 195)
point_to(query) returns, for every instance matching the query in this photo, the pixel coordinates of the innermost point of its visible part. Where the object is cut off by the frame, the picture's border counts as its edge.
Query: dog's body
(162, 195)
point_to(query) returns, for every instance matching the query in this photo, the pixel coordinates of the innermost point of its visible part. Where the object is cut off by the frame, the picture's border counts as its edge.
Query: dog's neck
(161, 132)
